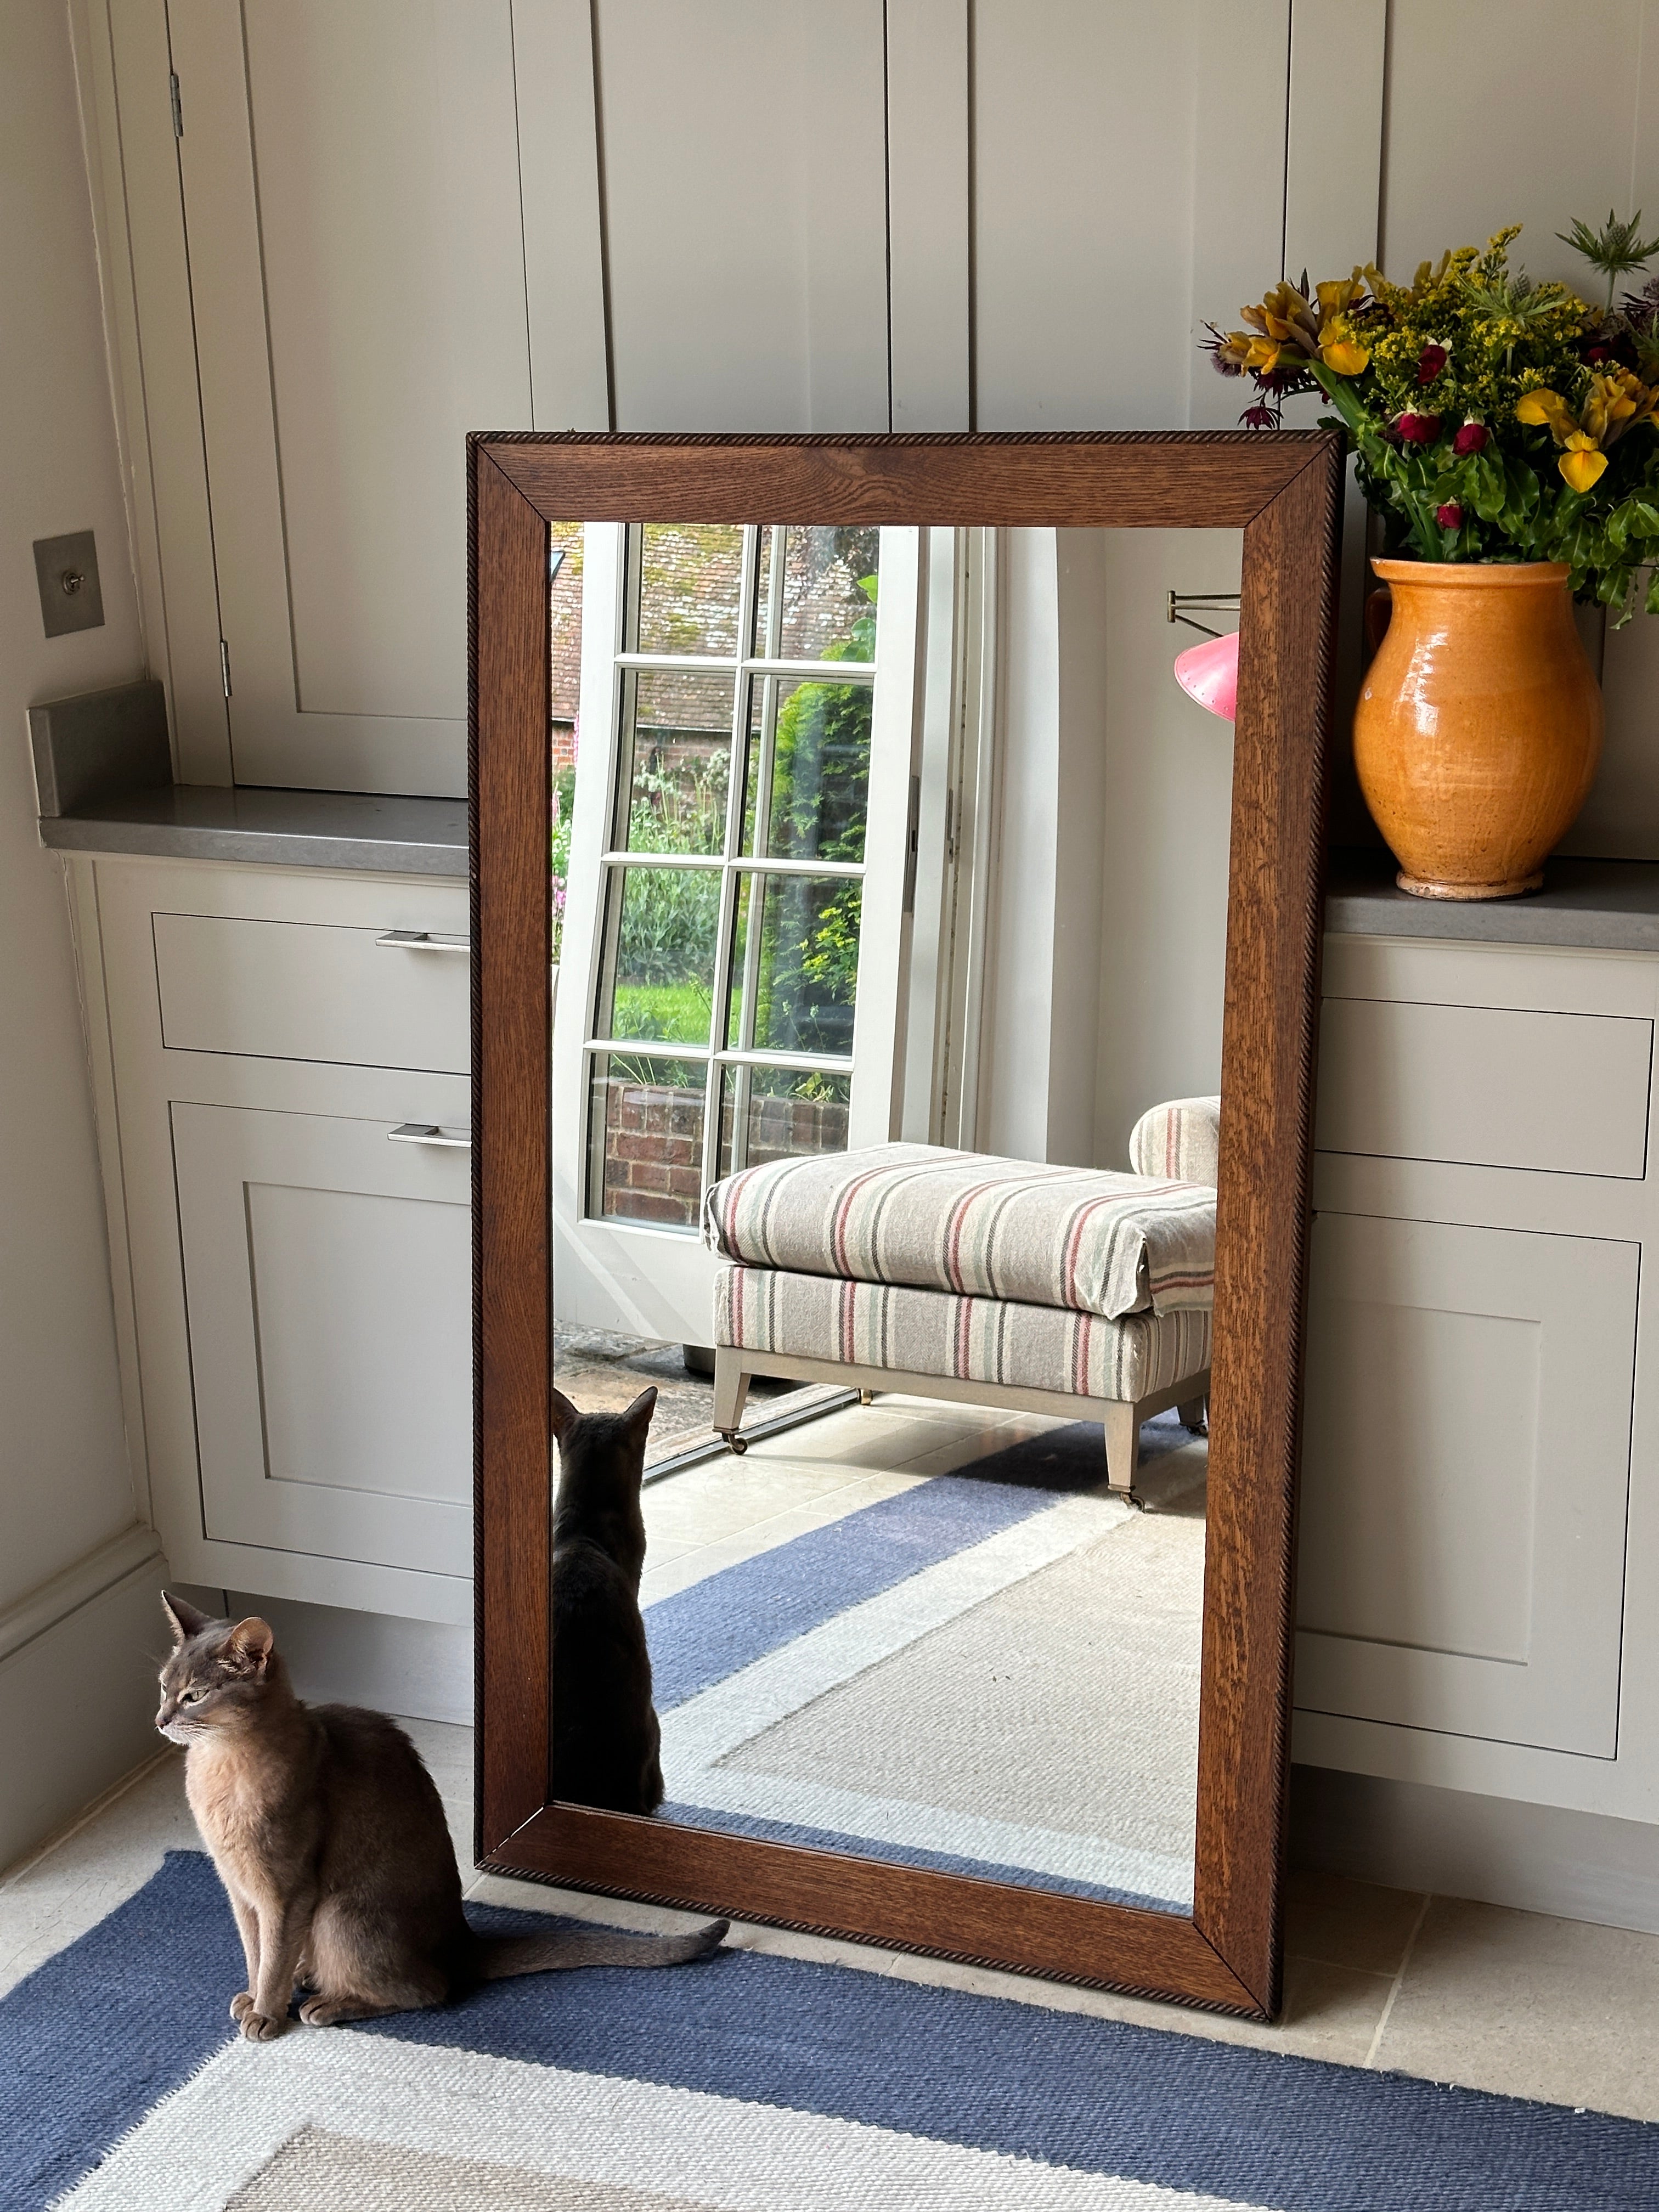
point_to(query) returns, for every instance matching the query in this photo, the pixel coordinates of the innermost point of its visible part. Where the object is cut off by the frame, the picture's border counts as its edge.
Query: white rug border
(209, 2138)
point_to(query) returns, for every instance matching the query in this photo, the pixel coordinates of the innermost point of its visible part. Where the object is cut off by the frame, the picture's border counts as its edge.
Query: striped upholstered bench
(1053, 1290)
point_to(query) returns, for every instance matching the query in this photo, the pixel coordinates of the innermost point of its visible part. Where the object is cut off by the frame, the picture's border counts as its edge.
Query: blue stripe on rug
(723, 1623)
(120, 2018)
(866, 1847)
(105, 2030)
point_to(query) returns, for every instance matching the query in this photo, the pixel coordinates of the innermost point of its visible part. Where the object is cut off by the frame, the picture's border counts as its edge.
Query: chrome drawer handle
(429, 1133)
(424, 940)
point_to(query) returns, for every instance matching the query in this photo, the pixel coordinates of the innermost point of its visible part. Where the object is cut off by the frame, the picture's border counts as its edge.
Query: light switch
(66, 569)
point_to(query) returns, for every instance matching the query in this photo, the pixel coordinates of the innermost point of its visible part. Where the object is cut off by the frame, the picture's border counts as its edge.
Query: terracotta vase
(1479, 729)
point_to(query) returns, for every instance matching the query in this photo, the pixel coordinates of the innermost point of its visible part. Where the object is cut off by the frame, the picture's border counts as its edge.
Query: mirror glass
(888, 877)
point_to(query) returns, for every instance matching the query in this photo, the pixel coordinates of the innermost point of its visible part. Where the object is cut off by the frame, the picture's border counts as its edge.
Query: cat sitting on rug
(605, 1736)
(330, 1838)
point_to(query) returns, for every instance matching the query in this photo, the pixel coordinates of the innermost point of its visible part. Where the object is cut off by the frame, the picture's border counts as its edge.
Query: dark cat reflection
(605, 1736)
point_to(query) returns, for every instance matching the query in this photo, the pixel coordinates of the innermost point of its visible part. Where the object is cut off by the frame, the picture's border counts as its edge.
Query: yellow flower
(1339, 349)
(1581, 464)
(1540, 406)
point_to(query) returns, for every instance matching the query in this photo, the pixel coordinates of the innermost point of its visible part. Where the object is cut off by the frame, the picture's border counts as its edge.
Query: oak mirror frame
(1283, 492)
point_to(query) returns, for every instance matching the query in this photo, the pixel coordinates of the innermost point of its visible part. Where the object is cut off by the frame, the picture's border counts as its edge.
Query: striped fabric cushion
(1182, 1138)
(1084, 1239)
(975, 1339)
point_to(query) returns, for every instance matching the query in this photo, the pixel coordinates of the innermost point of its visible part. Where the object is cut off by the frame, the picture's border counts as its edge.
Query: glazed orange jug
(1478, 728)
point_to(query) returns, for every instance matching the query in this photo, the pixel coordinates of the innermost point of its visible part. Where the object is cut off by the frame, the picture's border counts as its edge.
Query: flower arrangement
(1491, 418)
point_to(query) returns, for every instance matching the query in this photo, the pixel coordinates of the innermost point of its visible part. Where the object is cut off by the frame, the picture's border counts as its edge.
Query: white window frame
(652, 1279)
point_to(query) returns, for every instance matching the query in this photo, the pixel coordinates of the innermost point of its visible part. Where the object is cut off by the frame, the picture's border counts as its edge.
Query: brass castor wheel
(734, 1442)
(866, 1397)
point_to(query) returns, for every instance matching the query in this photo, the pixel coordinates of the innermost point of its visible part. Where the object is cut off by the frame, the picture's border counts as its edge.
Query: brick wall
(654, 1146)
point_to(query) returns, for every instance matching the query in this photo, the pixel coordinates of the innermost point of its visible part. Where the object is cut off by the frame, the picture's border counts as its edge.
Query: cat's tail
(495, 1957)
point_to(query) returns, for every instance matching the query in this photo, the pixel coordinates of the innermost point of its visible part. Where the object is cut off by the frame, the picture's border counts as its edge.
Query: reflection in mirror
(889, 888)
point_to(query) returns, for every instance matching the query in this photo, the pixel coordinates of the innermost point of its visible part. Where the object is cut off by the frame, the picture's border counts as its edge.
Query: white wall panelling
(1128, 170)
(564, 219)
(745, 214)
(929, 271)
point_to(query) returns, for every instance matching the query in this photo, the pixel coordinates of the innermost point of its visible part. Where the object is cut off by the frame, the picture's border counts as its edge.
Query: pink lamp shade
(1209, 673)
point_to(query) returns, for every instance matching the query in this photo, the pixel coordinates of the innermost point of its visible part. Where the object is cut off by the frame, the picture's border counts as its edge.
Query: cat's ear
(565, 1415)
(182, 1619)
(249, 1643)
(637, 1419)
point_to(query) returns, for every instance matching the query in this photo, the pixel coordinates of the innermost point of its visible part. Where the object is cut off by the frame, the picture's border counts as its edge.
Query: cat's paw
(240, 2005)
(259, 2026)
(320, 2012)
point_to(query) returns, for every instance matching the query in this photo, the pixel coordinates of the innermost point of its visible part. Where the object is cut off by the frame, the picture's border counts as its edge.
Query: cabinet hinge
(224, 666)
(178, 108)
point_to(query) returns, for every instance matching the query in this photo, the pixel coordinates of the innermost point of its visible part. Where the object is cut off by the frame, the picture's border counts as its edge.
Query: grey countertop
(1611, 905)
(283, 829)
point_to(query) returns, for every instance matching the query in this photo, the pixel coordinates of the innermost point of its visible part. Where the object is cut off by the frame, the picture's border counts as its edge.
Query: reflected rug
(859, 1686)
(750, 2083)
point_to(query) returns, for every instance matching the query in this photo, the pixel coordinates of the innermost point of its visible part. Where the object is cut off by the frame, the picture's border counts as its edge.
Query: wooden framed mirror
(991, 1884)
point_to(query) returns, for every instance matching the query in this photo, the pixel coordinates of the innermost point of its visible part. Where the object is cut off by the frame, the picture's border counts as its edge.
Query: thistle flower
(1472, 438)
(1450, 516)
(1418, 430)
(1430, 362)
(1616, 249)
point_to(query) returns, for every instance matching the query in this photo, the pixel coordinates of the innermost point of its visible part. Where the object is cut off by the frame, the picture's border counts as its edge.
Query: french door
(735, 902)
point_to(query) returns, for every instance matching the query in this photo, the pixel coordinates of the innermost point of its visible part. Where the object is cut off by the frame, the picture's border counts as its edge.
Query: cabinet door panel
(1465, 1469)
(358, 267)
(328, 1284)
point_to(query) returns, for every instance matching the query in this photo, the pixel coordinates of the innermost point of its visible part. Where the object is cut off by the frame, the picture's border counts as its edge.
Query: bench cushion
(1084, 1238)
(975, 1339)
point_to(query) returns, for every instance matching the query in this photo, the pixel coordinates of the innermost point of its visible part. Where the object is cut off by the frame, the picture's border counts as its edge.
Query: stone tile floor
(1434, 1986)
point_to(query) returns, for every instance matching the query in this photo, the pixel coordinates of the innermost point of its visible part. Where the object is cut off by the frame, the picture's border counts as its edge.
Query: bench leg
(1194, 1413)
(730, 1389)
(1122, 1426)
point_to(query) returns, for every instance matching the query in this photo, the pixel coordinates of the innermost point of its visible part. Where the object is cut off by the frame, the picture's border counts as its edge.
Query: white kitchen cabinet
(281, 1060)
(328, 1283)
(1479, 1439)
(1466, 1460)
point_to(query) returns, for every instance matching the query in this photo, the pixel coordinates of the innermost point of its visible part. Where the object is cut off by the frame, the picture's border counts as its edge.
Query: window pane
(564, 601)
(796, 960)
(681, 730)
(781, 1113)
(820, 771)
(665, 954)
(645, 1139)
(689, 579)
(822, 605)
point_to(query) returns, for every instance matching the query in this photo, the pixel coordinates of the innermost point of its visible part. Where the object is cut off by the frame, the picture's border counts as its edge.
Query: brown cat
(605, 1736)
(330, 1838)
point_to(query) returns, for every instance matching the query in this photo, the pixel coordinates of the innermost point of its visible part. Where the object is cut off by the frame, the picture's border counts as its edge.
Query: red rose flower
(1471, 438)
(1450, 516)
(1430, 362)
(1418, 430)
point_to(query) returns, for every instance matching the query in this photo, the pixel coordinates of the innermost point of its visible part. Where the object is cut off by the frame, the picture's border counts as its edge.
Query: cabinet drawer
(1487, 1086)
(295, 990)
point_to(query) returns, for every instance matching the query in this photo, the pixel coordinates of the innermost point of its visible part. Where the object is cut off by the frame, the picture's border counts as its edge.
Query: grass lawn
(671, 1013)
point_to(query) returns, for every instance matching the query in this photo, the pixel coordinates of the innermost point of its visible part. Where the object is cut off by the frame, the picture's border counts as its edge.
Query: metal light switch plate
(66, 569)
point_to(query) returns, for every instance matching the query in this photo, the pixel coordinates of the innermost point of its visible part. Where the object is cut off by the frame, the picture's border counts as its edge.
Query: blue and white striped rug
(859, 1686)
(752, 2083)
